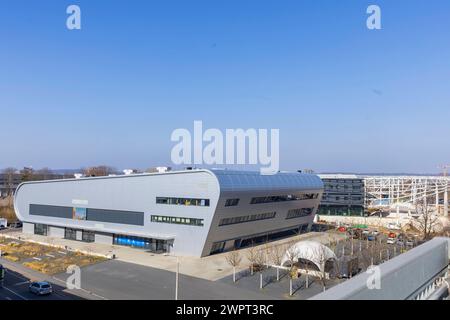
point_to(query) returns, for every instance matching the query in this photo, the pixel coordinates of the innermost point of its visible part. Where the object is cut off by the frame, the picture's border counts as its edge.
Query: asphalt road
(118, 280)
(115, 280)
(15, 287)
(18, 278)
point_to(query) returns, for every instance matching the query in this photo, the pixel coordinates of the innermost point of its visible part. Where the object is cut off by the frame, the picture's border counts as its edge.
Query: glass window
(40, 229)
(242, 219)
(70, 234)
(88, 236)
(79, 213)
(217, 247)
(288, 197)
(177, 220)
(231, 202)
(297, 213)
(183, 201)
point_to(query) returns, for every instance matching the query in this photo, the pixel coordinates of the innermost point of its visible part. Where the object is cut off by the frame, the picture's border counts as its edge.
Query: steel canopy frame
(391, 191)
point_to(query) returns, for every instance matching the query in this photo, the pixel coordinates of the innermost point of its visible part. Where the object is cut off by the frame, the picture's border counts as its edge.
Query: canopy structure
(312, 251)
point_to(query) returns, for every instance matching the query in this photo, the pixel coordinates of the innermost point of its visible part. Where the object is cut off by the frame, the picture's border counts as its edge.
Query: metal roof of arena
(231, 180)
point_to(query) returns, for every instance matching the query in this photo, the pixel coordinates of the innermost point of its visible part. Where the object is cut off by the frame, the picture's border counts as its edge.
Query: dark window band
(249, 218)
(183, 201)
(282, 198)
(297, 213)
(99, 215)
(178, 220)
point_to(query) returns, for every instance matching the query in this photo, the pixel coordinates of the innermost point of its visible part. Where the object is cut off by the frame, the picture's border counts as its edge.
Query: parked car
(409, 243)
(391, 240)
(41, 288)
(394, 226)
(15, 225)
(371, 238)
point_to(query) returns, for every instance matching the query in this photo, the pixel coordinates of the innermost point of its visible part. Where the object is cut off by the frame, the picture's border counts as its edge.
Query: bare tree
(252, 256)
(234, 259)
(427, 220)
(321, 256)
(292, 257)
(9, 180)
(260, 261)
(276, 254)
(43, 174)
(27, 174)
(99, 171)
(305, 265)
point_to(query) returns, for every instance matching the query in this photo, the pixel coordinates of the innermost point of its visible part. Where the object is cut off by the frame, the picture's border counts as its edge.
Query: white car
(394, 226)
(391, 241)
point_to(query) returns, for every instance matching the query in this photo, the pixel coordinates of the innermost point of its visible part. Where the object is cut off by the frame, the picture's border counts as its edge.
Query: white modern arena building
(192, 213)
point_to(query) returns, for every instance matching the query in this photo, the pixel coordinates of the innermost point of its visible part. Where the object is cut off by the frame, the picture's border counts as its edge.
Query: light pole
(177, 278)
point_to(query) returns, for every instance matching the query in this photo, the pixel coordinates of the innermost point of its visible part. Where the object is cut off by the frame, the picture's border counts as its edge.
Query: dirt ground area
(45, 259)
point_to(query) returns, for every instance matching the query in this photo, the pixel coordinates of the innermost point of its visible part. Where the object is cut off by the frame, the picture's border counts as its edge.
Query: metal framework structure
(402, 192)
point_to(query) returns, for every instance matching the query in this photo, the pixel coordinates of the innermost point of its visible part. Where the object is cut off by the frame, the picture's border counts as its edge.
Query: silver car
(41, 288)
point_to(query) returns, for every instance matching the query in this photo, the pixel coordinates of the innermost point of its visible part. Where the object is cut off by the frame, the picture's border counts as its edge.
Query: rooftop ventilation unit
(78, 175)
(127, 172)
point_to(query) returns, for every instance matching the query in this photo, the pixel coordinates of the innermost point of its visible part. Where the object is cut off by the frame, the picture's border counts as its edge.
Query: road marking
(21, 283)
(20, 296)
(15, 275)
(81, 289)
(50, 255)
(38, 259)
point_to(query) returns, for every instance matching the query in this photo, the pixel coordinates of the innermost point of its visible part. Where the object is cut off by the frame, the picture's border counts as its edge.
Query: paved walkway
(210, 268)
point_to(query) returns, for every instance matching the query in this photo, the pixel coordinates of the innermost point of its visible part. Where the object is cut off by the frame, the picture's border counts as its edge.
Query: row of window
(86, 236)
(289, 197)
(178, 220)
(231, 202)
(343, 187)
(332, 197)
(249, 218)
(297, 213)
(153, 245)
(343, 180)
(235, 201)
(183, 201)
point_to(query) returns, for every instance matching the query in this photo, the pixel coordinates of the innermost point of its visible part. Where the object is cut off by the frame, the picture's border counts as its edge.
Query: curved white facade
(204, 219)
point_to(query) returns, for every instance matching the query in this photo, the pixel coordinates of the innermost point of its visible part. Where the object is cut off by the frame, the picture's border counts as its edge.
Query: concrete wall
(401, 278)
(56, 232)
(103, 238)
(28, 228)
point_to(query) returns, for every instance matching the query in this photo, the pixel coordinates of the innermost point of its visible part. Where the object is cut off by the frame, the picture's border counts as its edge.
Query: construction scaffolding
(400, 193)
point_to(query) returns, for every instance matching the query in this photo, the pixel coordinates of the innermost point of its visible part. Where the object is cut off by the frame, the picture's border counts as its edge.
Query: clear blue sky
(344, 98)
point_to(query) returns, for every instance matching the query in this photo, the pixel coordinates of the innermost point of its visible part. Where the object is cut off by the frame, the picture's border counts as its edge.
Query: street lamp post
(177, 278)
